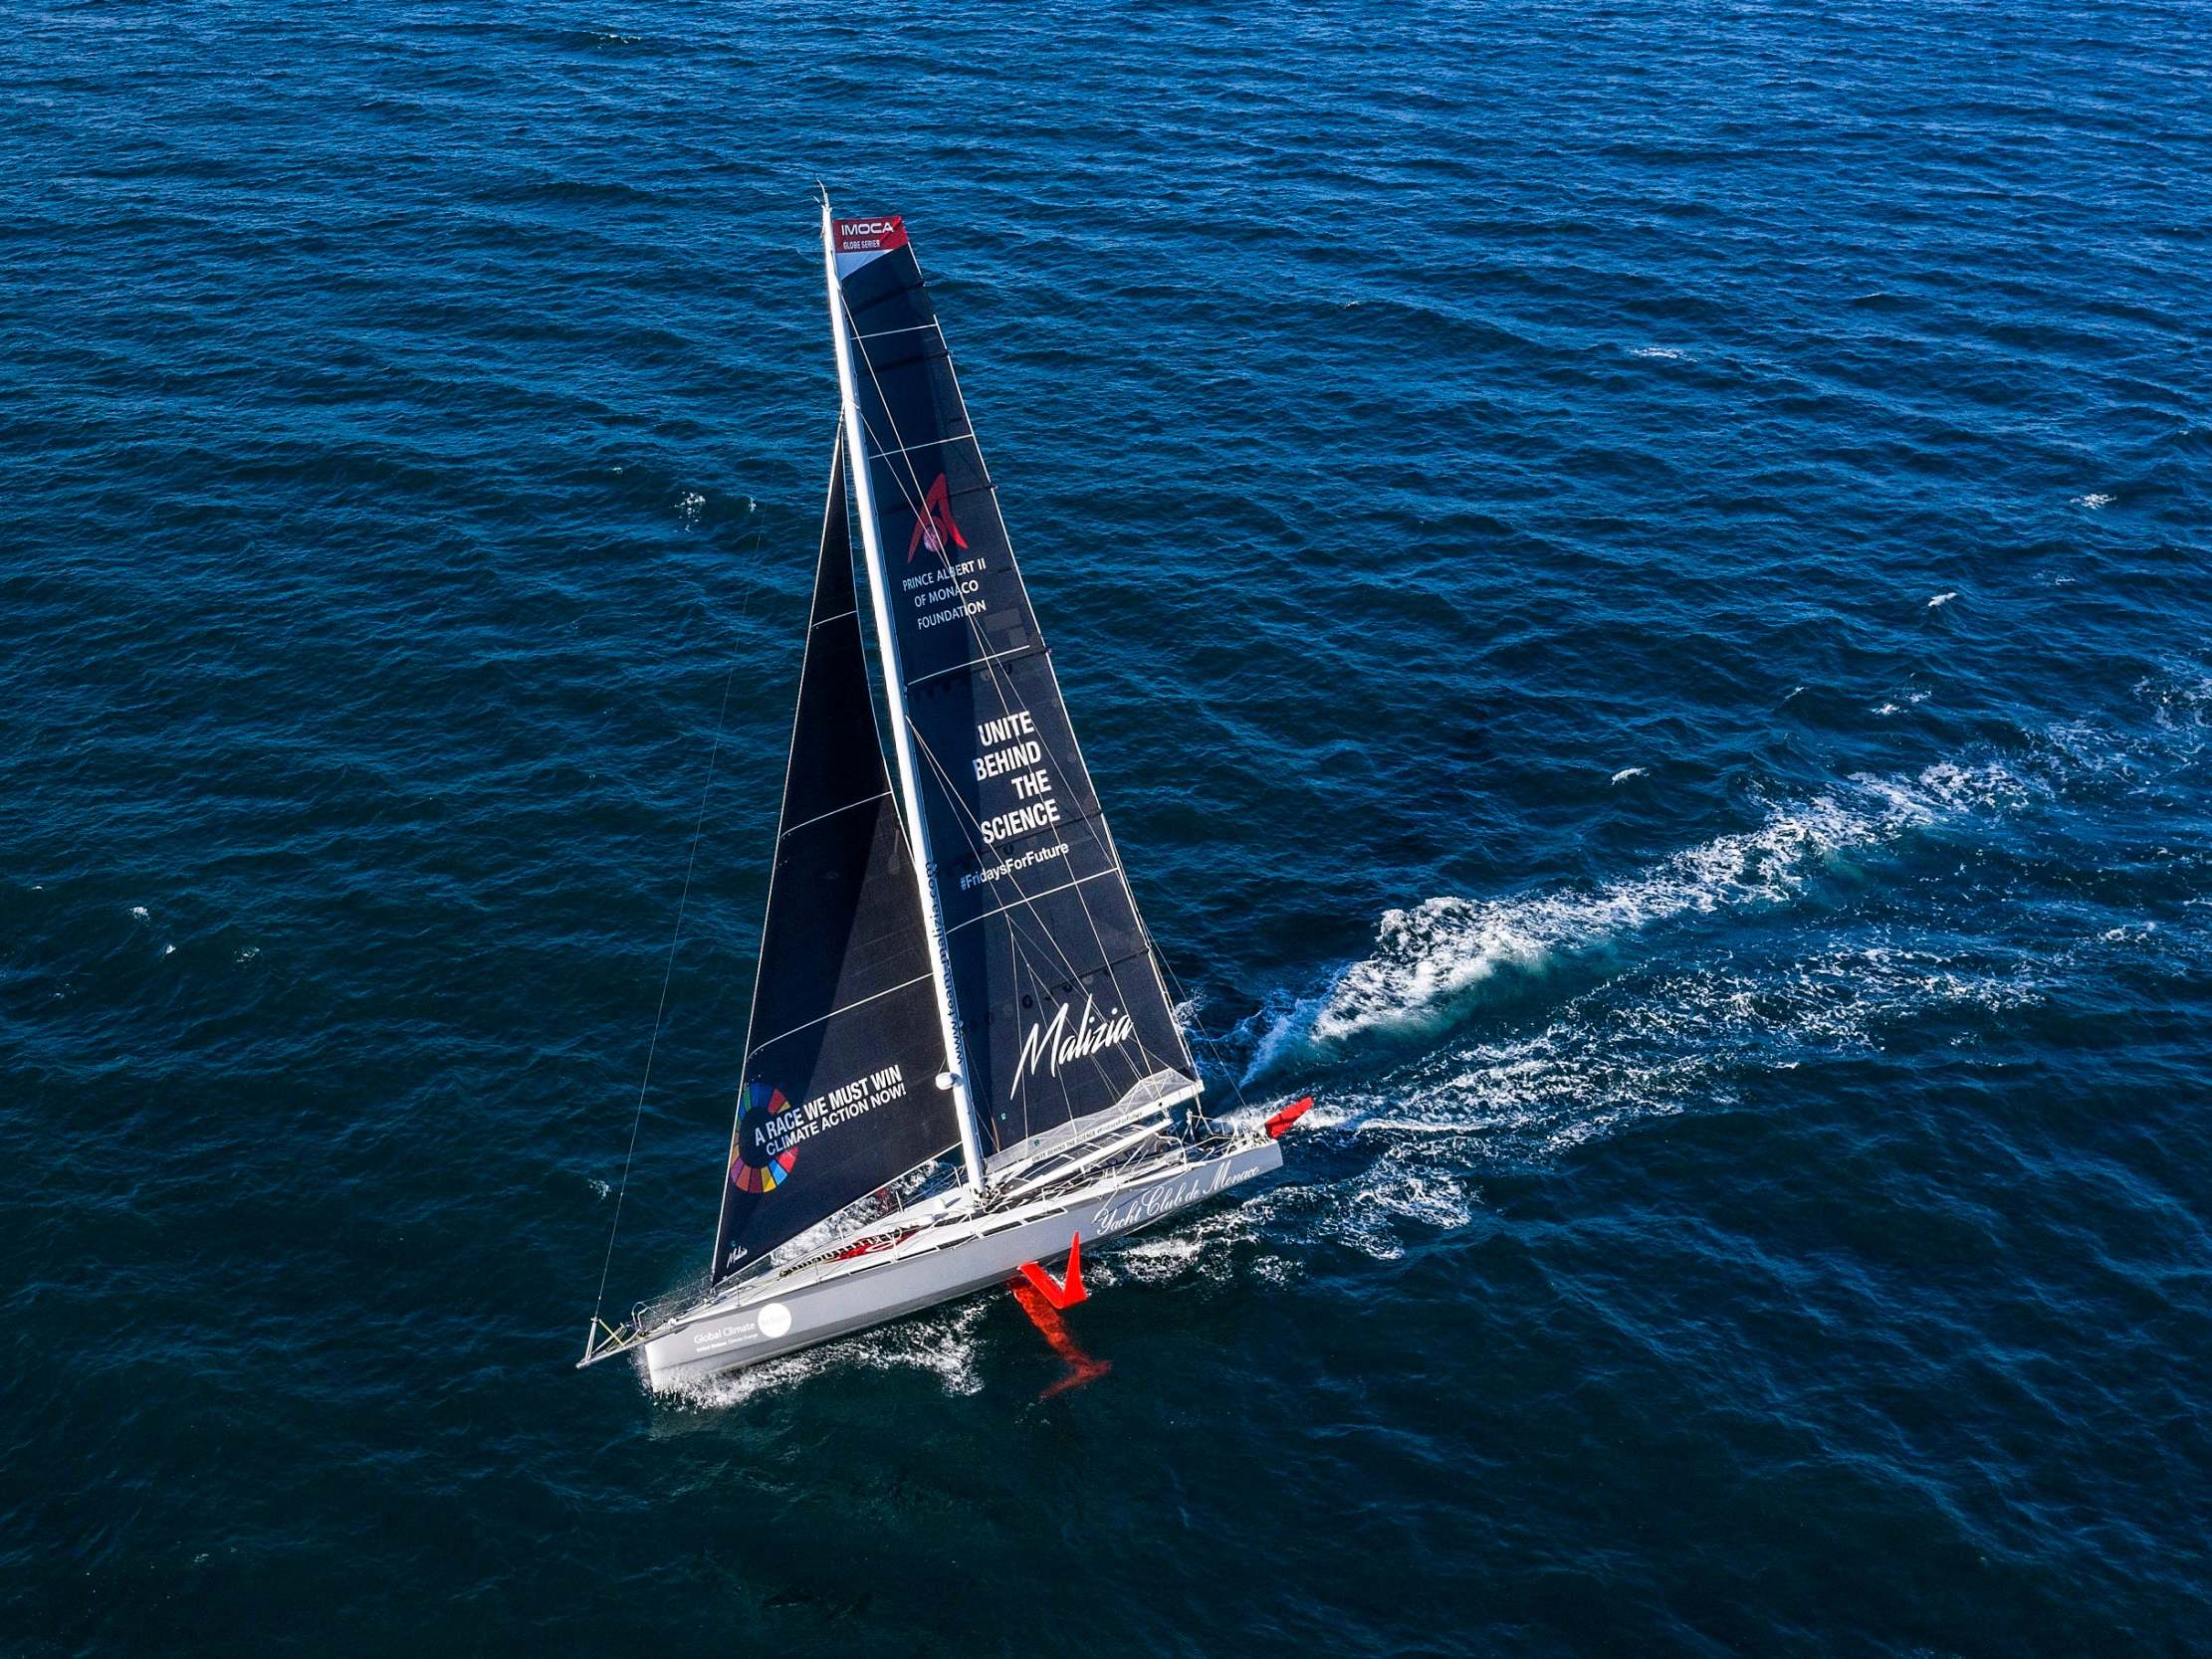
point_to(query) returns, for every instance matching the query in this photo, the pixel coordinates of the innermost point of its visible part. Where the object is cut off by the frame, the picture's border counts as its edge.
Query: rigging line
(675, 942)
(997, 678)
(1028, 902)
(1028, 899)
(939, 673)
(916, 503)
(866, 800)
(1162, 970)
(1020, 946)
(999, 684)
(901, 450)
(1022, 897)
(842, 322)
(1003, 688)
(843, 1008)
(827, 1233)
(886, 333)
(1213, 1047)
(935, 443)
(783, 802)
(1144, 929)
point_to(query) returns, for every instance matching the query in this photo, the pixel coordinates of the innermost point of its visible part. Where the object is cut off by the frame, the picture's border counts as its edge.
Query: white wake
(1430, 955)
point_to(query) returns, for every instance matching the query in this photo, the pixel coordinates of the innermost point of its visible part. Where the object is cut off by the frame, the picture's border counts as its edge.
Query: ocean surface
(1634, 579)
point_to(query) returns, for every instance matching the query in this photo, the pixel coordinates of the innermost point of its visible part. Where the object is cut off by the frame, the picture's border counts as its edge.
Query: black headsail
(1061, 1003)
(838, 1093)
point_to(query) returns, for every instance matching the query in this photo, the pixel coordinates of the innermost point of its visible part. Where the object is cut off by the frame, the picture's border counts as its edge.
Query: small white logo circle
(775, 1319)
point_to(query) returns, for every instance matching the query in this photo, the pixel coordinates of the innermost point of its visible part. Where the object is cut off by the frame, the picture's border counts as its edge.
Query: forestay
(1060, 1002)
(837, 1093)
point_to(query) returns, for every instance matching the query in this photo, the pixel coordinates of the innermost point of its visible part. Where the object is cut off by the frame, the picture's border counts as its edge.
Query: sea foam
(942, 1343)
(1433, 952)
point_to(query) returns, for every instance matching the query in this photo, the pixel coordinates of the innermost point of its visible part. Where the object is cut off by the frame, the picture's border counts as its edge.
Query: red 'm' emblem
(935, 524)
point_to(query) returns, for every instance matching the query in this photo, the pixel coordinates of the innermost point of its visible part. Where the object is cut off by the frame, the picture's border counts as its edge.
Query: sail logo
(757, 1167)
(1048, 1047)
(932, 526)
(770, 1129)
(870, 236)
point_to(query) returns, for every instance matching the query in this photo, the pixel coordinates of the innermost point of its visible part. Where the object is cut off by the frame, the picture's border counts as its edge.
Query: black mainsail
(1057, 1001)
(838, 1094)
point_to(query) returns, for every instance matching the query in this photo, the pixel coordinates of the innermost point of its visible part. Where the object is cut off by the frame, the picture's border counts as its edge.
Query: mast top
(859, 242)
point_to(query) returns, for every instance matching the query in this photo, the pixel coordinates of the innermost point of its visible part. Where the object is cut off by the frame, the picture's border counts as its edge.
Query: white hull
(949, 1259)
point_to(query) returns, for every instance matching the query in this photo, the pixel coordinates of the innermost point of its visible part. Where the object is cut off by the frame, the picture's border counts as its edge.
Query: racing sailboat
(962, 1060)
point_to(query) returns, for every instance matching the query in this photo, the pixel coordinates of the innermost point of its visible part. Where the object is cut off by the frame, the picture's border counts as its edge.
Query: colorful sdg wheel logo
(763, 1105)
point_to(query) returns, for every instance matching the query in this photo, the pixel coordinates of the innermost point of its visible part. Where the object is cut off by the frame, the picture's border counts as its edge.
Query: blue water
(1632, 577)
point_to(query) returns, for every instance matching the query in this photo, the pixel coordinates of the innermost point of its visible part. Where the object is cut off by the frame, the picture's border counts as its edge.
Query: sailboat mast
(901, 734)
